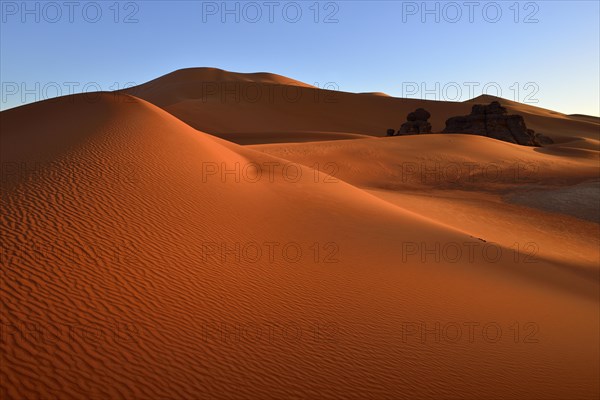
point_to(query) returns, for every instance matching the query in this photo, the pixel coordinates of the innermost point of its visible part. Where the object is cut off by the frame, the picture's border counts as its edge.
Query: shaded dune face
(142, 258)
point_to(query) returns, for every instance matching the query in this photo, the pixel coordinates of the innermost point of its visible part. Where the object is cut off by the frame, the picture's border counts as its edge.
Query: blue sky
(544, 53)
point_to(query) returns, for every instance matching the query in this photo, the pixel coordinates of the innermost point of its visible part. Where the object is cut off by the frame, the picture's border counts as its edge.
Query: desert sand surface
(167, 243)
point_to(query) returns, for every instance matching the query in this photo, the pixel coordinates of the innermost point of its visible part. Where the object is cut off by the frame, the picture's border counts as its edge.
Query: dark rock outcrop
(493, 121)
(391, 132)
(416, 123)
(542, 140)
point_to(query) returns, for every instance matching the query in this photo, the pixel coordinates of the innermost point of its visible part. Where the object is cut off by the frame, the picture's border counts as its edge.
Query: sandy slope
(200, 83)
(249, 108)
(472, 183)
(130, 245)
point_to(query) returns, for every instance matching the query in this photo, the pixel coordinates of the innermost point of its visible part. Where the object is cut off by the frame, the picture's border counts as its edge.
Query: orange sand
(142, 258)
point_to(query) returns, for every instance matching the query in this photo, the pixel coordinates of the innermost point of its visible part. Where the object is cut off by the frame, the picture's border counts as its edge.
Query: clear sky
(545, 53)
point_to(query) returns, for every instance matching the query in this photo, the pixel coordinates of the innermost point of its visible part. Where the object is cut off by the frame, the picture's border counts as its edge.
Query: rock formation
(492, 121)
(416, 123)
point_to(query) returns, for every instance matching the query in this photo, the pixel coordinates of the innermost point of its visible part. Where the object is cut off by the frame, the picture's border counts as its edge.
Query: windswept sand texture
(145, 257)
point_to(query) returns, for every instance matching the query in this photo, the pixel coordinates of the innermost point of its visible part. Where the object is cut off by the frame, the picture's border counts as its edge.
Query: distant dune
(588, 118)
(155, 259)
(256, 108)
(377, 94)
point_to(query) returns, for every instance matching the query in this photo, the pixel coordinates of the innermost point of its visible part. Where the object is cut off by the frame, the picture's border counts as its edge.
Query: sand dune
(202, 83)
(480, 179)
(143, 258)
(249, 107)
(376, 94)
(587, 118)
